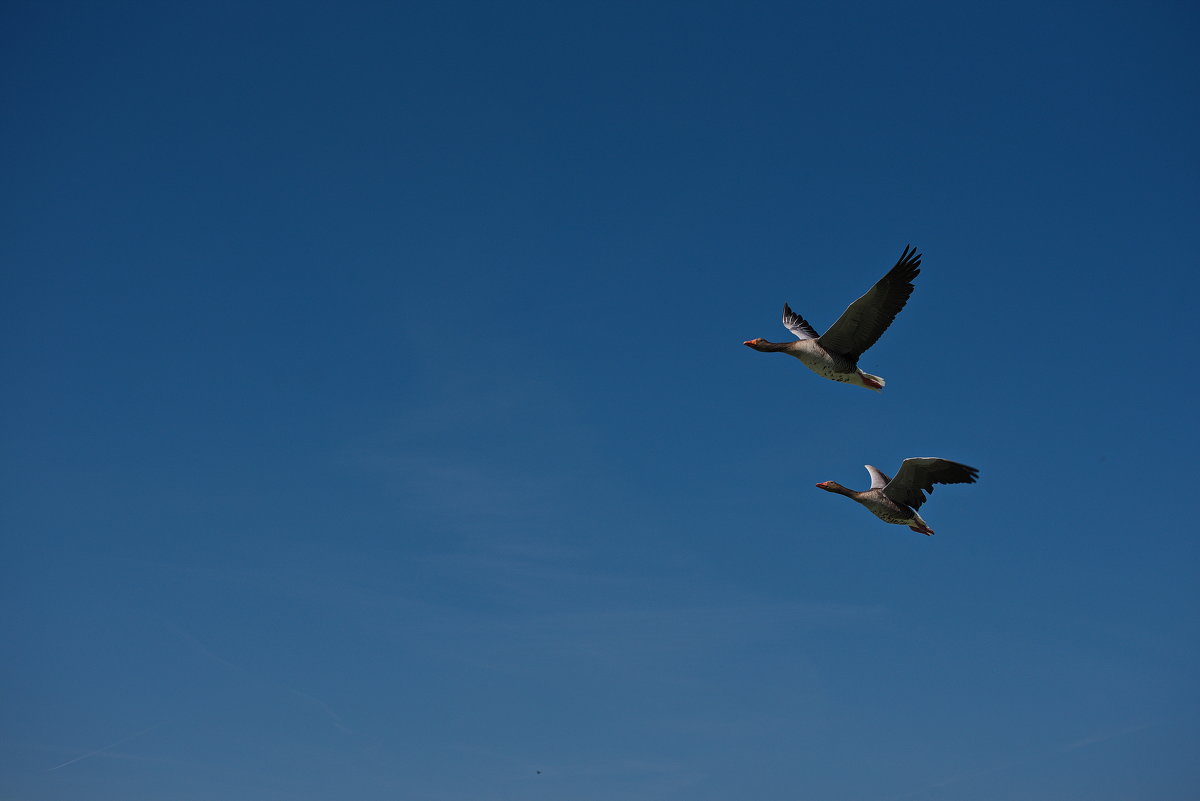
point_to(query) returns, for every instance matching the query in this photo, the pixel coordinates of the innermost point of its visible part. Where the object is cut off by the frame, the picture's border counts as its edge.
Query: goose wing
(879, 479)
(865, 320)
(797, 324)
(918, 475)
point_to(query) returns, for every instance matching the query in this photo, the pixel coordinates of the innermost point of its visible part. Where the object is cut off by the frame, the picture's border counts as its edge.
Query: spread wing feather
(918, 475)
(865, 320)
(797, 324)
(879, 479)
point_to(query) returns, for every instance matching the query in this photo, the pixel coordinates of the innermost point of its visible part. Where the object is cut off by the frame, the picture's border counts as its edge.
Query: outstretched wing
(879, 479)
(865, 320)
(918, 475)
(797, 324)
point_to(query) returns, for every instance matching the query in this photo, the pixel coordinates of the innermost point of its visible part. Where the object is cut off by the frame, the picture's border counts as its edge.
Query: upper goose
(835, 353)
(896, 500)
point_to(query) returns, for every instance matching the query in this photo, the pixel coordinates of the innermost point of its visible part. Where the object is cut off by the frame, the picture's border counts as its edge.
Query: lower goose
(896, 500)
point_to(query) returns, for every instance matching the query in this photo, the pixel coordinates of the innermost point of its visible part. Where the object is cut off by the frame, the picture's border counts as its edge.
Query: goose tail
(920, 526)
(871, 381)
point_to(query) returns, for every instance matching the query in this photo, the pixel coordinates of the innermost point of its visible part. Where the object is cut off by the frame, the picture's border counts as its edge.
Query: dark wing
(865, 320)
(917, 476)
(798, 325)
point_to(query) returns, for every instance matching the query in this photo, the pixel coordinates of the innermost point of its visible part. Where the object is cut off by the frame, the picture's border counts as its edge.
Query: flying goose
(896, 500)
(834, 354)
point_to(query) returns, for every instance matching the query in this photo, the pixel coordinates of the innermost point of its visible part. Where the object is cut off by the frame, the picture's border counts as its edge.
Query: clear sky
(377, 423)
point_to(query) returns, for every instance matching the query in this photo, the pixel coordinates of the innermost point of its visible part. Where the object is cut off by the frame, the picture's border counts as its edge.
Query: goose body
(824, 363)
(896, 500)
(834, 354)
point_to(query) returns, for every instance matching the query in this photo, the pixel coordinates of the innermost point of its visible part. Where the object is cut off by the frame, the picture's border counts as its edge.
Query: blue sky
(378, 422)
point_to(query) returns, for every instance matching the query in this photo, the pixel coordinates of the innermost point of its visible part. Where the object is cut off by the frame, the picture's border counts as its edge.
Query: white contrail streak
(105, 748)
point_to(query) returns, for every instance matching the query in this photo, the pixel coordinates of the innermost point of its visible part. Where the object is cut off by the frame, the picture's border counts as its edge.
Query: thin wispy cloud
(1100, 736)
(334, 717)
(1105, 735)
(106, 748)
(203, 650)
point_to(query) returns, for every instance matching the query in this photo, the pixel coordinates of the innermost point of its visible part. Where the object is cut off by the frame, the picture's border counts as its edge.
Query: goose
(834, 354)
(896, 500)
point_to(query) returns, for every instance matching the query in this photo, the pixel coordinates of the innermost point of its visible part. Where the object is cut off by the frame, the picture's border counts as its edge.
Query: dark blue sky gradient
(378, 423)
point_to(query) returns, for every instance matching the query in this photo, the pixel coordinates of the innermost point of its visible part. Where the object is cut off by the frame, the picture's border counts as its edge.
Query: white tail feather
(917, 524)
(870, 381)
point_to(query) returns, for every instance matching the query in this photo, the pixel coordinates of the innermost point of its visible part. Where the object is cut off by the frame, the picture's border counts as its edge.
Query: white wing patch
(797, 324)
(879, 479)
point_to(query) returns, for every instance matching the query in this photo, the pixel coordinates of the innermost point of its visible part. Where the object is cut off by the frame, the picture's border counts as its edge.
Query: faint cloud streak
(108, 747)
